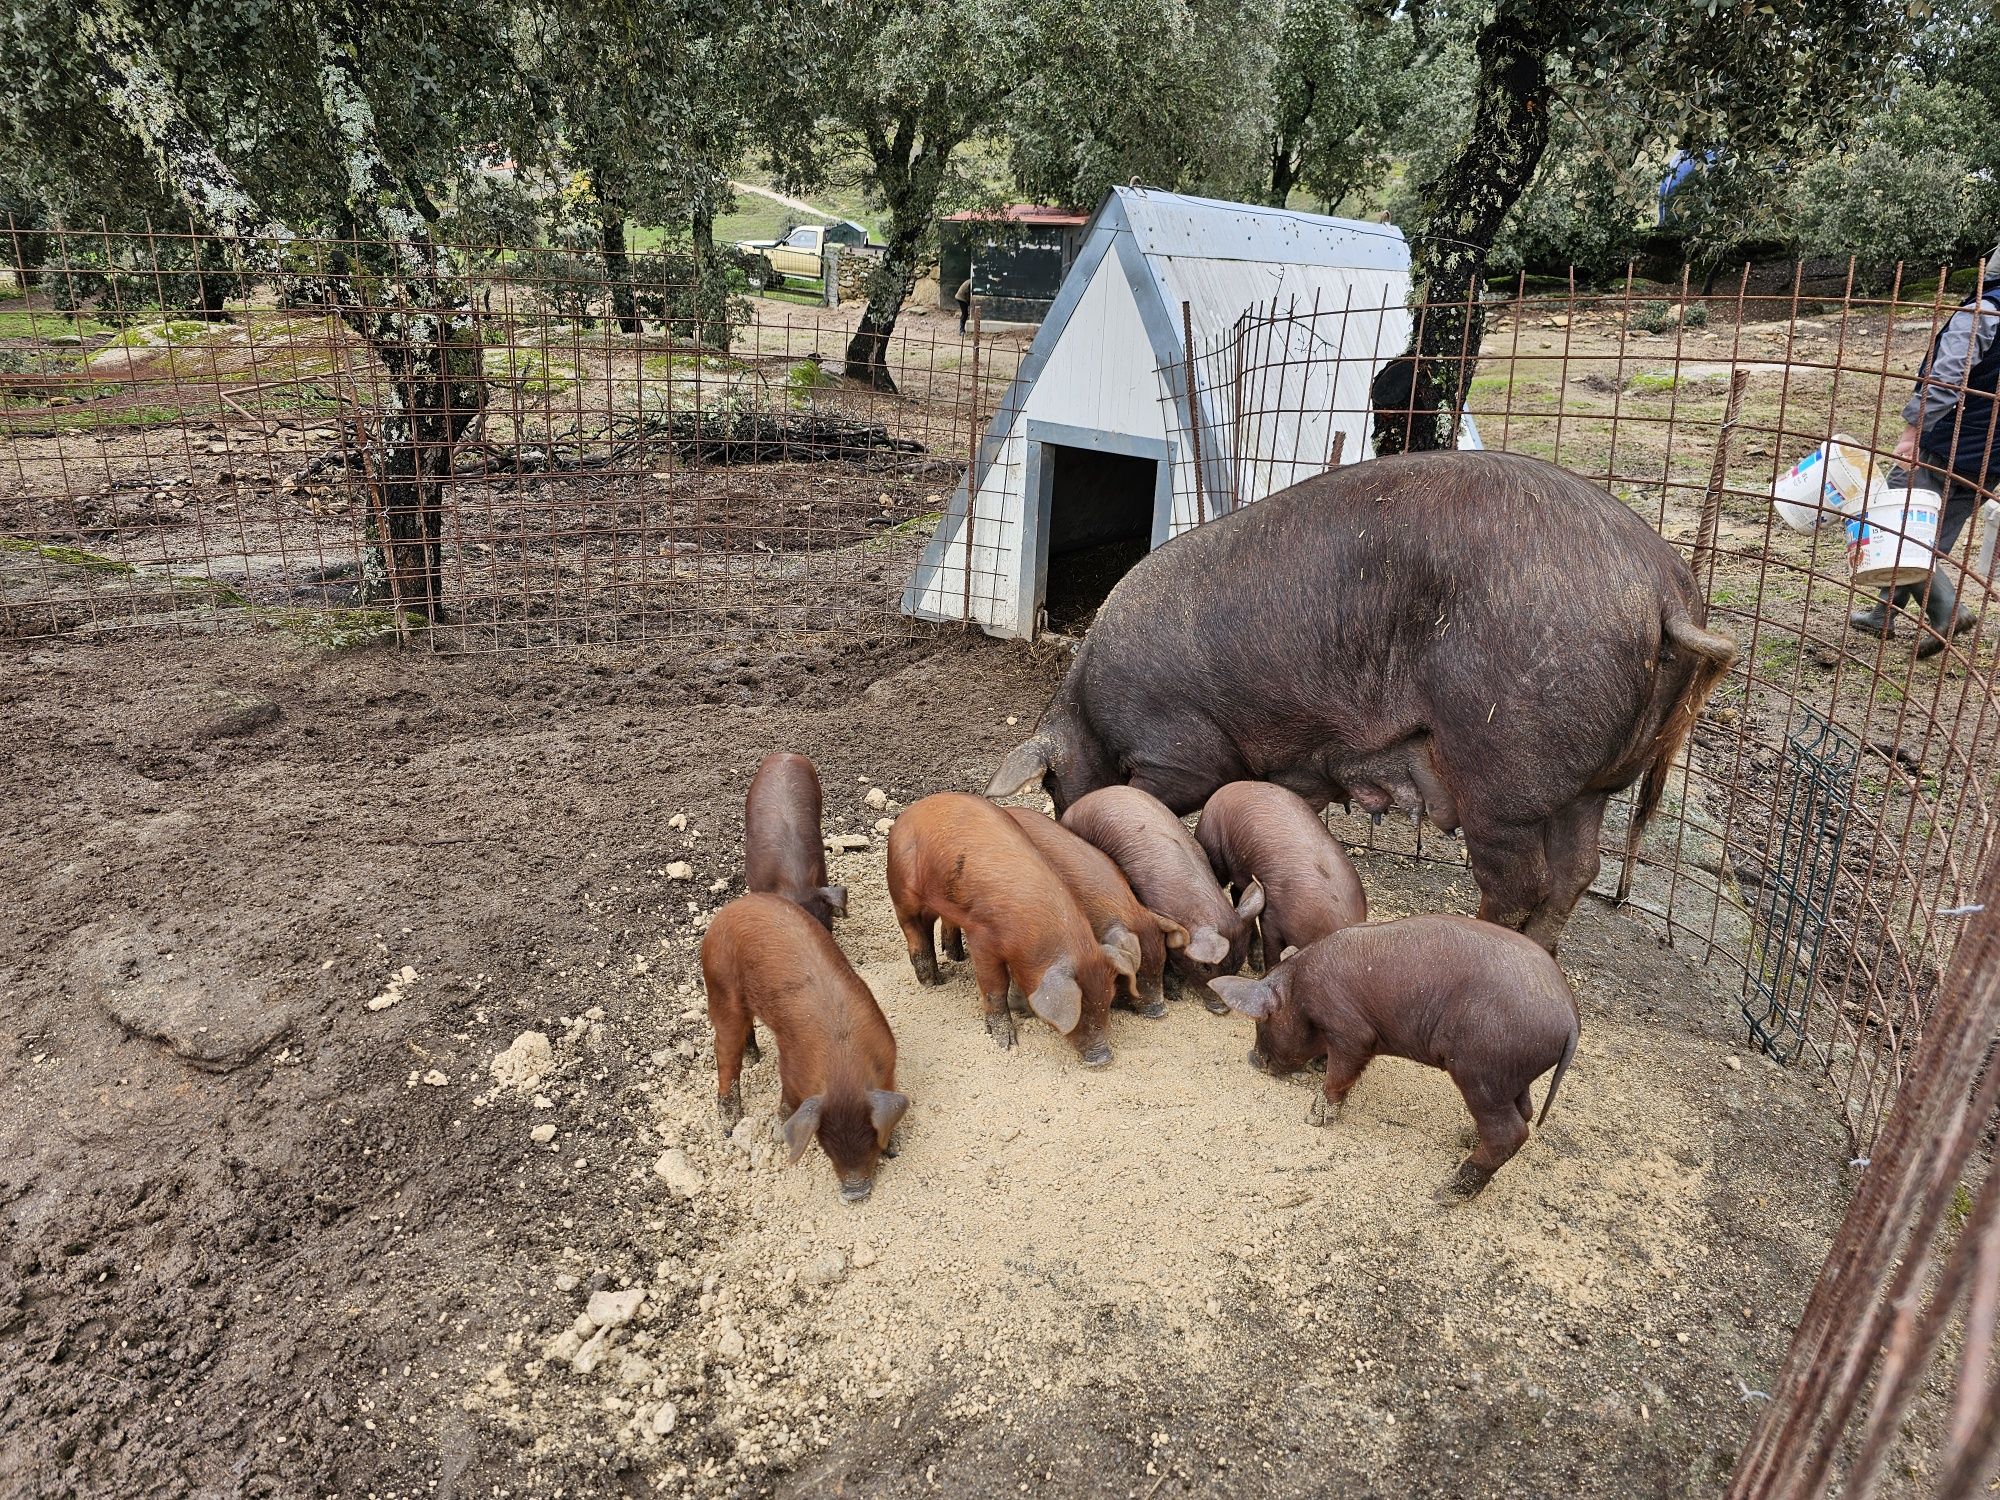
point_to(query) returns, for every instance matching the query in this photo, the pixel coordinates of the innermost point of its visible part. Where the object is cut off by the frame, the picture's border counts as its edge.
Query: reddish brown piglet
(960, 860)
(1116, 915)
(764, 959)
(1170, 873)
(782, 853)
(1253, 830)
(1482, 1002)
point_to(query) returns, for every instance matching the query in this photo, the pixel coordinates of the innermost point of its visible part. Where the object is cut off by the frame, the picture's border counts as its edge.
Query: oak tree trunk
(618, 268)
(1463, 213)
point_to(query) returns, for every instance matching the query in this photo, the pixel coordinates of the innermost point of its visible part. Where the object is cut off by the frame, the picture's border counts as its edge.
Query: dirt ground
(274, 1226)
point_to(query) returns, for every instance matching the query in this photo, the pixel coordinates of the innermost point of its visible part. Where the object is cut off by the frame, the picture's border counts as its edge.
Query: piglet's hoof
(1001, 1029)
(1213, 1001)
(1465, 1183)
(891, 1151)
(1156, 1011)
(1323, 1111)
(927, 969)
(729, 1110)
(1096, 1056)
(1017, 1002)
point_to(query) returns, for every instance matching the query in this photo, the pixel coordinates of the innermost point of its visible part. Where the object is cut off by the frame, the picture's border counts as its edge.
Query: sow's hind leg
(1570, 840)
(1510, 863)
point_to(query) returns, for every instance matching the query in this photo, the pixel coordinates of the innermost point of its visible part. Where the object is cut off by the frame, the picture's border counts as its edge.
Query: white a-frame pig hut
(1090, 460)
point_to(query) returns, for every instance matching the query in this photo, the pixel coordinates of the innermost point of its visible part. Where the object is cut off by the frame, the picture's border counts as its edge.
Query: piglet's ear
(1252, 902)
(885, 1111)
(1207, 946)
(1176, 935)
(1252, 997)
(1122, 948)
(1058, 999)
(801, 1126)
(835, 896)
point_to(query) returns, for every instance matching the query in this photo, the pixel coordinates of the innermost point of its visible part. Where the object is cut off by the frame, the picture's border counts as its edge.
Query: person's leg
(1942, 614)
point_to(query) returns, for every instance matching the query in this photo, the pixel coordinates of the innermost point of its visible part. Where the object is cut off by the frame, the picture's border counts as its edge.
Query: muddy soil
(273, 1225)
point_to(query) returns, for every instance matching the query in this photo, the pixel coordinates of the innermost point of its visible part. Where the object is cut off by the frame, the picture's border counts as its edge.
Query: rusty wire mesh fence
(1838, 798)
(548, 454)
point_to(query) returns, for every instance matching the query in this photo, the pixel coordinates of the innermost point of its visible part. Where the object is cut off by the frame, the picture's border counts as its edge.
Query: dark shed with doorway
(1016, 258)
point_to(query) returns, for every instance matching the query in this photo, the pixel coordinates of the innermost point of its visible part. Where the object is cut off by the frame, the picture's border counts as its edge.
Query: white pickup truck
(798, 253)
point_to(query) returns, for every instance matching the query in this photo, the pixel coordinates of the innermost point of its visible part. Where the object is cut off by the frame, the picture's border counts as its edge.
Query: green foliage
(1582, 213)
(133, 278)
(1335, 89)
(1653, 317)
(1694, 315)
(807, 376)
(1882, 205)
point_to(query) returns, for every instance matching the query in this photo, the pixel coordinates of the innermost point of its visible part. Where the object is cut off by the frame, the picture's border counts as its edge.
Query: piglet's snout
(856, 1189)
(1259, 1061)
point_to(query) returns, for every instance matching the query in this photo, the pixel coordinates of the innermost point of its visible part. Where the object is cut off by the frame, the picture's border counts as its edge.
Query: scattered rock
(883, 825)
(527, 1061)
(877, 798)
(228, 713)
(543, 1101)
(1733, 1063)
(864, 1255)
(393, 988)
(614, 1309)
(827, 1268)
(680, 869)
(664, 1419)
(677, 1172)
(678, 822)
(541, 1135)
(846, 843)
(729, 1344)
(565, 1282)
(436, 1079)
(563, 1347)
(210, 1019)
(592, 1353)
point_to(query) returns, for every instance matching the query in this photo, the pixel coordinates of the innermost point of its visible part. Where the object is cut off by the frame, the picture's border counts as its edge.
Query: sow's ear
(1252, 902)
(1023, 768)
(1253, 997)
(1122, 948)
(1207, 946)
(835, 897)
(801, 1126)
(1176, 935)
(885, 1111)
(1058, 999)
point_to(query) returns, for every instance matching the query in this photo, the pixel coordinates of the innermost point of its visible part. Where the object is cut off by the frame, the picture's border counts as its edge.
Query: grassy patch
(43, 323)
(808, 375)
(21, 418)
(1488, 385)
(333, 629)
(529, 371)
(74, 557)
(179, 333)
(1650, 382)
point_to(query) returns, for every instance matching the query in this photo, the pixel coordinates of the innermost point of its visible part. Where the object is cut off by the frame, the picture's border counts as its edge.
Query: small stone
(729, 1344)
(680, 1174)
(846, 843)
(664, 1419)
(614, 1309)
(744, 1136)
(877, 798)
(678, 822)
(566, 1282)
(1012, 720)
(592, 1353)
(1733, 1063)
(541, 1135)
(680, 869)
(864, 1255)
(563, 1347)
(527, 1061)
(436, 1079)
(883, 825)
(827, 1268)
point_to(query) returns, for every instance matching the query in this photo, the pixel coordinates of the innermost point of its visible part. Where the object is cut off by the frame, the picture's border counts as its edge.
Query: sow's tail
(1562, 1067)
(1701, 658)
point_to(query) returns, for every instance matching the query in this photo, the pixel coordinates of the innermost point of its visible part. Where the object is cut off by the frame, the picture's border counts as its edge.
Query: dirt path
(266, 1236)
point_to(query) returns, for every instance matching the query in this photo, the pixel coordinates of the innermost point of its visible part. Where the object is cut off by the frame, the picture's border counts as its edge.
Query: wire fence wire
(650, 457)
(1827, 896)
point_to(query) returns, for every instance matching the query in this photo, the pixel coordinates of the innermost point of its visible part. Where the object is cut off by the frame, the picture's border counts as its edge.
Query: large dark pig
(1481, 637)
(959, 861)
(1168, 871)
(1115, 914)
(1254, 830)
(782, 852)
(764, 959)
(1488, 1006)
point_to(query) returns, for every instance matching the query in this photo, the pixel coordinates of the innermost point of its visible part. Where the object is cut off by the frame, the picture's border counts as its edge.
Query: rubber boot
(1942, 614)
(1876, 620)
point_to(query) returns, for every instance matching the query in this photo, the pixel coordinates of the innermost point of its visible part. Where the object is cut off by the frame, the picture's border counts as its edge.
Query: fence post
(1194, 413)
(972, 470)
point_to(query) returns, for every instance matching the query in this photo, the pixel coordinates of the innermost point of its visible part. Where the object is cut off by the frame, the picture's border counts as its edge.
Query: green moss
(529, 371)
(179, 333)
(1649, 382)
(809, 375)
(332, 629)
(45, 323)
(74, 557)
(1959, 1210)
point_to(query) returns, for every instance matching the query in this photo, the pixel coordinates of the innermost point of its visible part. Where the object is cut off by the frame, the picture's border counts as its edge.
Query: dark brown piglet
(764, 959)
(1169, 872)
(960, 860)
(1253, 830)
(782, 853)
(1484, 1003)
(1116, 915)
